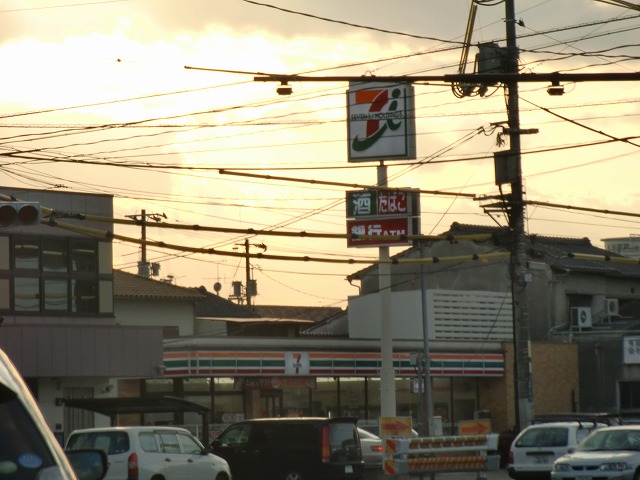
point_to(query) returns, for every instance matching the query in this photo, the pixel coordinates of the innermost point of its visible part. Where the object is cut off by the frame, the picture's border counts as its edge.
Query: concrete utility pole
(522, 360)
(387, 370)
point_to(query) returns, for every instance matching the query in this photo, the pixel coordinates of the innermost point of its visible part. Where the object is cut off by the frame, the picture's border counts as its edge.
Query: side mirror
(88, 464)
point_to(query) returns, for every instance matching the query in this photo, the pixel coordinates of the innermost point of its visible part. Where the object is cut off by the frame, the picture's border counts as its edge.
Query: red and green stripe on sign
(320, 364)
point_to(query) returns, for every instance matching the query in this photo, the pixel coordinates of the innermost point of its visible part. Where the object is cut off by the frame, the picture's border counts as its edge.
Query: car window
(111, 443)
(612, 440)
(235, 435)
(169, 442)
(342, 434)
(188, 444)
(285, 433)
(582, 433)
(23, 451)
(343, 441)
(148, 441)
(364, 434)
(544, 437)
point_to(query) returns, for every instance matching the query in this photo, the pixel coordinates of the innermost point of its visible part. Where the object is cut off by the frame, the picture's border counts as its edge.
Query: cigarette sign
(366, 203)
(381, 121)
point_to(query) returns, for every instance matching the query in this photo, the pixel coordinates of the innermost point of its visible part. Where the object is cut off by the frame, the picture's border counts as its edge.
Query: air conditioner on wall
(611, 307)
(581, 317)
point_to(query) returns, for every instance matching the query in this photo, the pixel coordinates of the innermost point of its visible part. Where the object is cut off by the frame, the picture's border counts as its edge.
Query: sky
(96, 98)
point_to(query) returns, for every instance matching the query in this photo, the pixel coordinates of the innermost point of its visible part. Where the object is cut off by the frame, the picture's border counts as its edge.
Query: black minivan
(307, 448)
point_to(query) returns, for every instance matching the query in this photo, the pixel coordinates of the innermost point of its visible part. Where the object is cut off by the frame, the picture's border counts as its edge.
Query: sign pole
(387, 372)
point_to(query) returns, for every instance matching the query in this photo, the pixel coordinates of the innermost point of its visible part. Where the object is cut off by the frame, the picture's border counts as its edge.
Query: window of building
(630, 396)
(54, 275)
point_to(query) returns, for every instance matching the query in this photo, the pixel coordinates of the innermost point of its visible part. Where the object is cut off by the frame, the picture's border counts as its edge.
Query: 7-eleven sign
(296, 363)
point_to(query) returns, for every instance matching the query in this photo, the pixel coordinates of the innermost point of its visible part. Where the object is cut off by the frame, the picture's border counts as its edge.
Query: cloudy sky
(103, 84)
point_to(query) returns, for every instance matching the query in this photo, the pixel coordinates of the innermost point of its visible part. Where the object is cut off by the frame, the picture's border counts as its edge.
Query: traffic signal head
(19, 214)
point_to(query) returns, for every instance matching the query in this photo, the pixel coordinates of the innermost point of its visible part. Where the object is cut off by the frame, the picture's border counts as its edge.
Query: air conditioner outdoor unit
(581, 317)
(612, 307)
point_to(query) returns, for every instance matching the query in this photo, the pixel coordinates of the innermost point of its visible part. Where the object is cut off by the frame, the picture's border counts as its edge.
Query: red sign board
(378, 227)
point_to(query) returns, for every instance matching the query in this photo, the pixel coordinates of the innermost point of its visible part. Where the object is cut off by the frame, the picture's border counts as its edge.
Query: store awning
(123, 405)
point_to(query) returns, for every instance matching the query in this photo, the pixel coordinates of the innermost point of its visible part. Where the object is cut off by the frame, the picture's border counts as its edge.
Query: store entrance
(271, 402)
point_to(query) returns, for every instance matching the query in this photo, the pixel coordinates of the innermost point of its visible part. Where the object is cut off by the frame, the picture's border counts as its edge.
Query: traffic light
(19, 214)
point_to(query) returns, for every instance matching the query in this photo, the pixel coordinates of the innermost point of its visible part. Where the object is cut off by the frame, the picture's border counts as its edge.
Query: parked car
(292, 449)
(608, 453)
(28, 449)
(145, 453)
(371, 445)
(536, 447)
(375, 428)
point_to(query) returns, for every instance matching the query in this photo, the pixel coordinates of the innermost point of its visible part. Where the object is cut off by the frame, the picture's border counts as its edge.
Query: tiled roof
(555, 251)
(317, 314)
(128, 285)
(213, 305)
(336, 326)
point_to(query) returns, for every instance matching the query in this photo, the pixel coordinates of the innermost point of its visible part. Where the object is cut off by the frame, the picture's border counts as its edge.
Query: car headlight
(616, 466)
(562, 467)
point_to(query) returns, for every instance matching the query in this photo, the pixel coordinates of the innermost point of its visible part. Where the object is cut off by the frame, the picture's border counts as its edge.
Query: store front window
(325, 397)
(233, 399)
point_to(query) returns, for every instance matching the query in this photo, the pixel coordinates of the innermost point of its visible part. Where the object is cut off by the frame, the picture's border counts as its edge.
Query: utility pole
(521, 356)
(250, 288)
(143, 264)
(387, 370)
(247, 271)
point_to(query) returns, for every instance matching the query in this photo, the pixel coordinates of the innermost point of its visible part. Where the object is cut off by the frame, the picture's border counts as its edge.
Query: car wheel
(636, 476)
(293, 476)
(222, 476)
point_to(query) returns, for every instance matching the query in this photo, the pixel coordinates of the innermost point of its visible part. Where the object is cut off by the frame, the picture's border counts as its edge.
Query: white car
(536, 447)
(28, 449)
(145, 453)
(611, 453)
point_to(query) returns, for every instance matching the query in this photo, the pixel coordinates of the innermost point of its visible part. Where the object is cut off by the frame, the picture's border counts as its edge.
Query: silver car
(610, 453)
(371, 448)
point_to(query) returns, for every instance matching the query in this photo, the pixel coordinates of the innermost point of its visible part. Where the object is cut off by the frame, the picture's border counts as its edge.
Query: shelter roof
(122, 405)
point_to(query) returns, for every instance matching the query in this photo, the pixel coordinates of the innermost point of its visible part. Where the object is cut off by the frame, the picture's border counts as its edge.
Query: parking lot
(490, 475)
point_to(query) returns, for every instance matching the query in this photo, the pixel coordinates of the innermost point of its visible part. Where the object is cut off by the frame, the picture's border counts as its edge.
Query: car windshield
(607, 440)
(23, 452)
(544, 437)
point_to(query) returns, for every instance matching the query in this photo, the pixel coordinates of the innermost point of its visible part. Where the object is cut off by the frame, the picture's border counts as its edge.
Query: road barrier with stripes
(424, 455)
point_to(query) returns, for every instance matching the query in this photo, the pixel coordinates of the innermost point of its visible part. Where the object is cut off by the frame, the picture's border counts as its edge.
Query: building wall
(159, 313)
(496, 395)
(555, 377)
(552, 393)
(490, 275)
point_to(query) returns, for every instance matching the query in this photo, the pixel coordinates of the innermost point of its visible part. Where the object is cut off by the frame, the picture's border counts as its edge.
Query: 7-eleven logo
(296, 363)
(378, 121)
